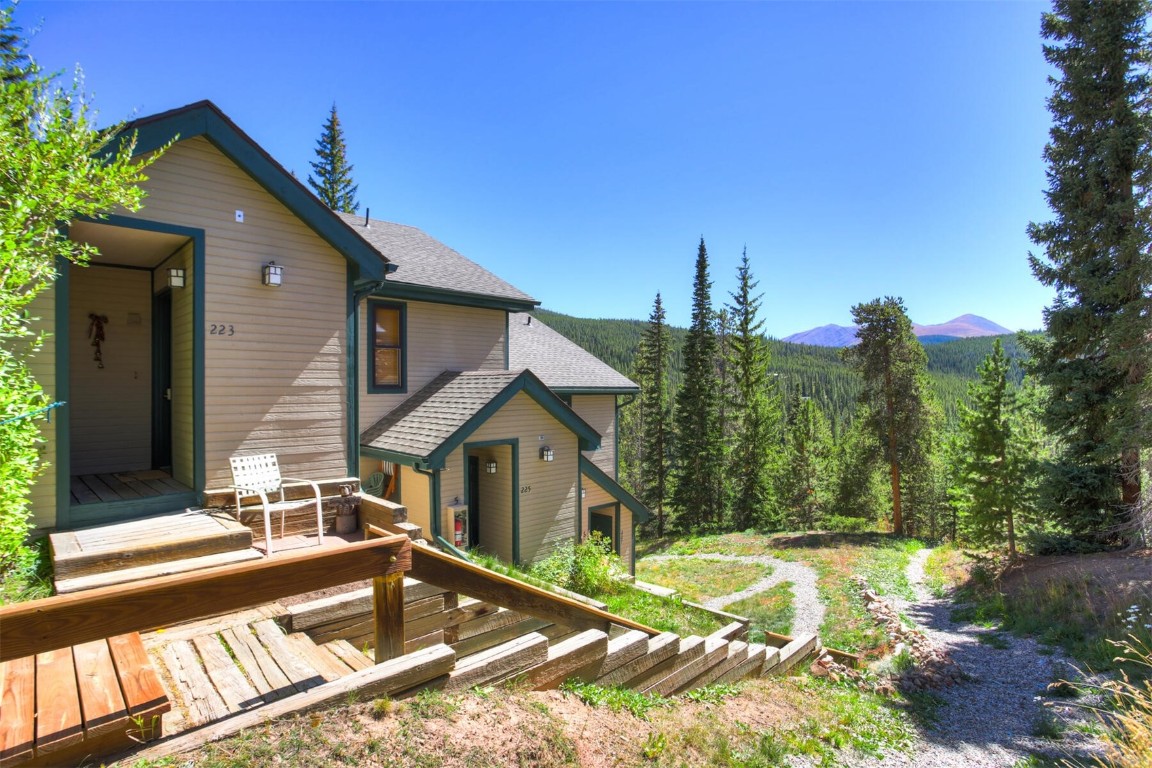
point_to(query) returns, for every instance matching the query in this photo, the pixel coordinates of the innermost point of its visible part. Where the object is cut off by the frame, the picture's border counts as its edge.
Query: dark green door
(604, 524)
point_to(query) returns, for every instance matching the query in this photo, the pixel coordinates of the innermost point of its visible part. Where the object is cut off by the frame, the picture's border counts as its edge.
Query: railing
(434, 567)
(66, 620)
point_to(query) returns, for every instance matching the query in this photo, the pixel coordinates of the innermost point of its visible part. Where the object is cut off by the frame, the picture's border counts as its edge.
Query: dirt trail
(999, 716)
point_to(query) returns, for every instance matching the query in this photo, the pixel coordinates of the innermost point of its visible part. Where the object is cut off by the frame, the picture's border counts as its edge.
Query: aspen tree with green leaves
(54, 166)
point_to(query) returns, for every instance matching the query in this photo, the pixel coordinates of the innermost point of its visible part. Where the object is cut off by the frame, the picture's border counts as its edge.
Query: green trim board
(66, 515)
(370, 349)
(615, 490)
(514, 444)
(613, 513)
(63, 393)
(205, 119)
(394, 290)
(351, 374)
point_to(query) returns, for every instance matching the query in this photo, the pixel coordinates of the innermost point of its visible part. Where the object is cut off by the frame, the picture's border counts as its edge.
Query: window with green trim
(386, 347)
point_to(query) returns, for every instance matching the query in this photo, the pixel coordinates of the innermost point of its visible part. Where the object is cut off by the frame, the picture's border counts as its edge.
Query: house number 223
(220, 329)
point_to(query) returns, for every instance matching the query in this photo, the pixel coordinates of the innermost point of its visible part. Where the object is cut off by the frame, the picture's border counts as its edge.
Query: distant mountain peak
(963, 327)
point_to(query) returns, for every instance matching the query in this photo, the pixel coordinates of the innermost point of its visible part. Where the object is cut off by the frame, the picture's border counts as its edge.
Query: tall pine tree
(806, 480)
(333, 182)
(754, 408)
(1098, 257)
(698, 468)
(995, 458)
(897, 413)
(655, 412)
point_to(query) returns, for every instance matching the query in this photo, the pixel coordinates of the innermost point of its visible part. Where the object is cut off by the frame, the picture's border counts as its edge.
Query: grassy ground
(701, 579)
(878, 557)
(31, 577)
(769, 611)
(759, 723)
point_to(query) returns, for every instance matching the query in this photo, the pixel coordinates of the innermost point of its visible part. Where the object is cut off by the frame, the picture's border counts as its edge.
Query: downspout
(433, 476)
(352, 364)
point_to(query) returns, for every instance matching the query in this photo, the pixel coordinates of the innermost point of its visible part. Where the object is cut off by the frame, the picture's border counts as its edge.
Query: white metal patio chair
(260, 475)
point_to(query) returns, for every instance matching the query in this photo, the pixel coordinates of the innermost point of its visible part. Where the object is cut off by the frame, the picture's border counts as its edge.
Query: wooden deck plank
(246, 660)
(120, 487)
(300, 673)
(81, 492)
(58, 718)
(202, 702)
(100, 697)
(329, 666)
(139, 681)
(208, 625)
(99, 487)
(144, 491)
(348, 654)
(17, 700)
(262, 669)
(238, 694)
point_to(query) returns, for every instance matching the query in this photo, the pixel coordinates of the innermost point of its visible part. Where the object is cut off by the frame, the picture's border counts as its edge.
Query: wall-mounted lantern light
(490, 466)
(175, 277)
(583, 493)
(273, 274)
(546, 454)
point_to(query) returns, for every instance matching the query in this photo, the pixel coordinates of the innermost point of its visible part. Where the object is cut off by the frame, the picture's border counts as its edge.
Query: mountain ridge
(966, 326)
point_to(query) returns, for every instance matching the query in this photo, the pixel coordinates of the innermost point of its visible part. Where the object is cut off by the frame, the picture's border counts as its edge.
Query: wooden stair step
(737, 654)
(715, 652)
(659, 648)
(565, 658)
(691, 648)
(150, 571)
(143, 542)
(795, 652)
(751, 666)
(499, 662)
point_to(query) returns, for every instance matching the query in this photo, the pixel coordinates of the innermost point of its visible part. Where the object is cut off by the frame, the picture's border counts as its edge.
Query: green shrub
(589, 568)
(843, 524)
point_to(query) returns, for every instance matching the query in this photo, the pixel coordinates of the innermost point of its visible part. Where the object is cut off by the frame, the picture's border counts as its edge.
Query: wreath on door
(96, 325)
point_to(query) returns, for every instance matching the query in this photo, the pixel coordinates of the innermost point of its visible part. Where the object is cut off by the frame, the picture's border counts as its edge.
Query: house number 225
(525, 489)
(220, 329)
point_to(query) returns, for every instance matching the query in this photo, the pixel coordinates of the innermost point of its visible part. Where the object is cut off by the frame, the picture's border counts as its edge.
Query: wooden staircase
(495, 644)
(142, 549)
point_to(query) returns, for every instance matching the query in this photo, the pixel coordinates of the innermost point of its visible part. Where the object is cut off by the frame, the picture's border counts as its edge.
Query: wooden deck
(123, 486)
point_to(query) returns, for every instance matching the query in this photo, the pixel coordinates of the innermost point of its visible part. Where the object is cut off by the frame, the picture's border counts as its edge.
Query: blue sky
(580, 150)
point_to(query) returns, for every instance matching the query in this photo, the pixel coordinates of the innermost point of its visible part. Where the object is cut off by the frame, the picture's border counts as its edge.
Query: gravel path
(990, 721)
(809, 611)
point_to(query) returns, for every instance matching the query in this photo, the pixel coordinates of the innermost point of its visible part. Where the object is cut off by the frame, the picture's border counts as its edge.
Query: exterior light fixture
(273, 274)
(583, 493)
(546, 454)
(175, 277)
(490, 466)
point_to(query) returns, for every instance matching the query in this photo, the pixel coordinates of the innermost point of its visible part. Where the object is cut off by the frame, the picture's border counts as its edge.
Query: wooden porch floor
(123, 486)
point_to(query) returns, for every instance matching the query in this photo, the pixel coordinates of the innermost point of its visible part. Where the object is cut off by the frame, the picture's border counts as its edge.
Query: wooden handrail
(65, 620)
(434, 567)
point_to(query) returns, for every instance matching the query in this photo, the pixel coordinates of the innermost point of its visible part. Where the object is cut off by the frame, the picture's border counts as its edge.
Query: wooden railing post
(388, 618)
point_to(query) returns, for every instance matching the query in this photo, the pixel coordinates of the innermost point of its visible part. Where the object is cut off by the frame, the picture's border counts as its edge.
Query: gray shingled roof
(558, 362)
(426, 262)
(424, 421)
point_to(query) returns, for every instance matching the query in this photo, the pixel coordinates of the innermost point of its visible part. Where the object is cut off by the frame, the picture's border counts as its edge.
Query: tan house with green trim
(236, 314)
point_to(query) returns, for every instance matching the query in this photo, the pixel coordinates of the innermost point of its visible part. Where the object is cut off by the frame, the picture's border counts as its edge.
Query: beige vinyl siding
(111, 407)
(600, 413)
(438, 338)
(548, 510)
(496, 493)
(594, 496)
(275, 380)
(416, 495)
(43, 367)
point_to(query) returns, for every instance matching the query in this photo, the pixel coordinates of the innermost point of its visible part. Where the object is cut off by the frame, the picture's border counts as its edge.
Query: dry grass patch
(700, 579)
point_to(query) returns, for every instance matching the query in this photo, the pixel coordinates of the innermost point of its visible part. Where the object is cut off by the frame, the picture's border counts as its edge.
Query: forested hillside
(815, 372)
